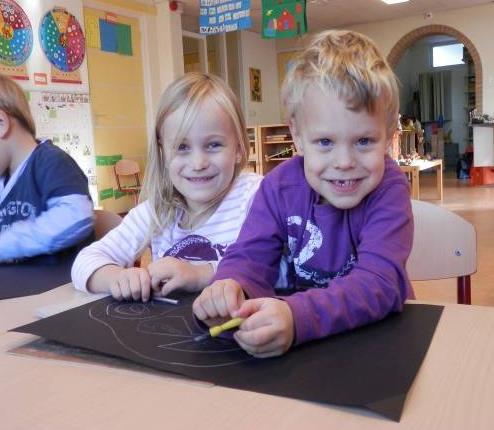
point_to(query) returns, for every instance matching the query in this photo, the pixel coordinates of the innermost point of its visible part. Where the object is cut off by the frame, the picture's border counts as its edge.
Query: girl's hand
(169, 274)
(218, 302)
(268, 330)
(130, 284)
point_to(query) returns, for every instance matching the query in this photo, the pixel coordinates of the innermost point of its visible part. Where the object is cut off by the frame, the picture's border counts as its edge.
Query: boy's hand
(169, 274)
(131, 284)
(268, 330)
(217, 302)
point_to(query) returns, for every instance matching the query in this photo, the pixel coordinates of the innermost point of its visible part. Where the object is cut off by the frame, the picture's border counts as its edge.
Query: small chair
(123, 170)
(104, 221)
(444, 246)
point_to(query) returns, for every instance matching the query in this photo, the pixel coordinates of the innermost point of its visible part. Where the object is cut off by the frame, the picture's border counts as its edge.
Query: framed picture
(255, 85)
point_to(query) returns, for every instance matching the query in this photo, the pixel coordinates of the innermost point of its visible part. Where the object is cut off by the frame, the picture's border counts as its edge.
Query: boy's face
(343, 150)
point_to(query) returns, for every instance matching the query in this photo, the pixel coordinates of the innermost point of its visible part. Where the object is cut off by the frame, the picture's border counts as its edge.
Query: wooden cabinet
(275, 144)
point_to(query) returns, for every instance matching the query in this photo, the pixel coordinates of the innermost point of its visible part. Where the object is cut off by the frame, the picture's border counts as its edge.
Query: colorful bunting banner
(283, 18)
(220, 16)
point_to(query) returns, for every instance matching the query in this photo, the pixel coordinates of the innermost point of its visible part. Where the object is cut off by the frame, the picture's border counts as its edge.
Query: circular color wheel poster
(62, 40)
(16, 34)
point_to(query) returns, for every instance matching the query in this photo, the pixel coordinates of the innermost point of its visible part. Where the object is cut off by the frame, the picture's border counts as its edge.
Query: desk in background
(414, 171)
(453, 389)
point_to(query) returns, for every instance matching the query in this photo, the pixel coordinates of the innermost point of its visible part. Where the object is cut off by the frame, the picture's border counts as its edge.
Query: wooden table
(453, 389)
(414, 171)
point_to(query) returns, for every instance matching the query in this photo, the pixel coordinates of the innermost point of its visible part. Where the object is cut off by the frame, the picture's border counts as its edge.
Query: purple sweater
(341, 268)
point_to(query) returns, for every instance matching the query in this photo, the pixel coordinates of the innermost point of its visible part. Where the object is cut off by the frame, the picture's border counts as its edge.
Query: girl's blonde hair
(349, 64)
(190, 91)
(14, 103)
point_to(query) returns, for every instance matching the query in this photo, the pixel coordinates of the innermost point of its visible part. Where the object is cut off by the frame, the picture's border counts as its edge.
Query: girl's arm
(115, 251)
(254, 259)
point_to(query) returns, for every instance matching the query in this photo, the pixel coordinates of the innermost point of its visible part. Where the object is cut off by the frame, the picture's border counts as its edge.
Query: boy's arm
(253, 260)
(119, 247)
(378, 283)
(67, 221)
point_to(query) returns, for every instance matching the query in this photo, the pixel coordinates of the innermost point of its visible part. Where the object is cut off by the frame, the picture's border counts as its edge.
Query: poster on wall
(65, 119)
(283, 18)
(220, 16)
(16, 40)
(255, 85)
(62, 41)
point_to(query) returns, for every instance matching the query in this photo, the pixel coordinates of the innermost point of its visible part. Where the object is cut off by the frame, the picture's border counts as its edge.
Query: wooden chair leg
(464, 294)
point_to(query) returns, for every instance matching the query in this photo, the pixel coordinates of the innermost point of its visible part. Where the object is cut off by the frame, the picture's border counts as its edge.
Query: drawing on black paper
(165, 333)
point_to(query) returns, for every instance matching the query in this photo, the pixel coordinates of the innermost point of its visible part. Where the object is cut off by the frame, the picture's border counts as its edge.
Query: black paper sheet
(35, 275)
(371, 367)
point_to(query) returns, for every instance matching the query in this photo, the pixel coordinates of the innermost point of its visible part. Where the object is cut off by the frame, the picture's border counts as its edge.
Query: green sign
(118, 194)
(106, 194)
(107, 160)
(283, 18)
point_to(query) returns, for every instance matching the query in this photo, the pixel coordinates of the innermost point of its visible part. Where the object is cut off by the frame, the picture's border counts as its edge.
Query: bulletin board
(53, 72)
(65, 118)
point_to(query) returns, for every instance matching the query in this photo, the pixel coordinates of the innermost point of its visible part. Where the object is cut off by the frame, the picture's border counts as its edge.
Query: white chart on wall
(65, 118)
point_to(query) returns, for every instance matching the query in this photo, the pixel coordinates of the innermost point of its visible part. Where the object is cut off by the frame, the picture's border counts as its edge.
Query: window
(447, 55)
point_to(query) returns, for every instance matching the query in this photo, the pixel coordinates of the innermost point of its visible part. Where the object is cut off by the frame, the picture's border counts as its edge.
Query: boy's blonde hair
(190, 91)
(349, 64)
(14, 103)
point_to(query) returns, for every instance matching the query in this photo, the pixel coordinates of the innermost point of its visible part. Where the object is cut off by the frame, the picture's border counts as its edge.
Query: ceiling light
(394, 1)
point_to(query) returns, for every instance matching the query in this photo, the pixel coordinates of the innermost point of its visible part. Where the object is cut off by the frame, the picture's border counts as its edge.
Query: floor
(476, 205)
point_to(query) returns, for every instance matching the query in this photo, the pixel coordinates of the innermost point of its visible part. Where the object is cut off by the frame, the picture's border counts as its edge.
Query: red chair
(127, 177)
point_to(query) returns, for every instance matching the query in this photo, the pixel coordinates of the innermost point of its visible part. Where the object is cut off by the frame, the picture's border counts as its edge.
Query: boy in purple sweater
(324, 247)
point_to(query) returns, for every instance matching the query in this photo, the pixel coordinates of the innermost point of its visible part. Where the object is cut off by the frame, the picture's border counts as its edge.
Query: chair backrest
(104, 222)
(444, 246)
(127, 168)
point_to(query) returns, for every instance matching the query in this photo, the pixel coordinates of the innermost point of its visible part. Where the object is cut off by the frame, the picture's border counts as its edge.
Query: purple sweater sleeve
(253, 260)
(377, 285)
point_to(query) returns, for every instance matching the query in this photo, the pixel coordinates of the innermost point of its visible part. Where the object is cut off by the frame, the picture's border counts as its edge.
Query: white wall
(474, 22)
(260, 54)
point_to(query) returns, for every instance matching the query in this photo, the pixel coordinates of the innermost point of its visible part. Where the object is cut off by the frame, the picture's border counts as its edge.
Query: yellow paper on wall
(91, 24)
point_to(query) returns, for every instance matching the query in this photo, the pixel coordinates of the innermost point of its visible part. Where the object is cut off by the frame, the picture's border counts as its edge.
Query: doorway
(440, 95)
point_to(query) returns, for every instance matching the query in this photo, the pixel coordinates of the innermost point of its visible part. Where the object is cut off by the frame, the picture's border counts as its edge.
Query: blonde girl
(195, 198)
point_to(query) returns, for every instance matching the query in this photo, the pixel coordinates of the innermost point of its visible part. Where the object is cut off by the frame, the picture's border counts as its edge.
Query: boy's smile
(343, 149)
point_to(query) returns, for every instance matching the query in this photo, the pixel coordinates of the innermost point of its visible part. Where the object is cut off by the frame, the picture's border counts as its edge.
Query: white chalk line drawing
(108, 313)
(131, 311)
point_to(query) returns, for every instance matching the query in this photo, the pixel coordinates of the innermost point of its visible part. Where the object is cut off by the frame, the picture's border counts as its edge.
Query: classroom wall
(260, 54)
(161, 31)
(119, 112)
(474, 22)
(126, 90)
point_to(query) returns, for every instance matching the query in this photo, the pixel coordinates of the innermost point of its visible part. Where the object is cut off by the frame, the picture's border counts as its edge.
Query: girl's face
(202, 165)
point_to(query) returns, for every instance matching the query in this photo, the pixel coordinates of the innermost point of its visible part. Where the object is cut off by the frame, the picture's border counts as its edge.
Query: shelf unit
(275, 145)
